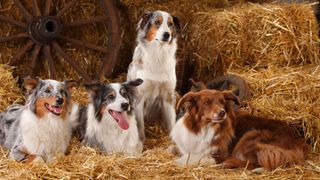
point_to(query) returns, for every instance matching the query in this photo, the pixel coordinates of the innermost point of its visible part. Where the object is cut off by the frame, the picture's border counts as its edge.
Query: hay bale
(288, 93)
(9, 90)
(254, 35)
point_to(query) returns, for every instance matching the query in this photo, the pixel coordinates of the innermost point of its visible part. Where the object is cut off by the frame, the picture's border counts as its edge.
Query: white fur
(193, 147)
(47, 136)
(108, 133)
(154, 61)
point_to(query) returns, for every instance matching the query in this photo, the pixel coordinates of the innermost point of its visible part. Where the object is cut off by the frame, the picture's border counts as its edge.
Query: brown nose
(221, 113)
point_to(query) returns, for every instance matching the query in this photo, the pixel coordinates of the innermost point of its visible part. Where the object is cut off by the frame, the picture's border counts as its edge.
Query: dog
(263, 144)
(249, 141)
(109, 122)
(203, 133)
(41, 128)
(154, 62)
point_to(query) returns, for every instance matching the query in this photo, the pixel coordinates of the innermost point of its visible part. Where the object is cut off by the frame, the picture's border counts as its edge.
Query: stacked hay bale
(255, 35)
(9, 90)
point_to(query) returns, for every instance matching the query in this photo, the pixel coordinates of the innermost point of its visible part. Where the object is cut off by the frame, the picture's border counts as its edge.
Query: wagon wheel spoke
(70, 61)
(47, 54)
(14, 37)
(84, 44)
(12, 21)
(46, 10)
(82, 22)
(65, 8)
(15, 59)
(34, 58)
(35, 8)
(23, 10)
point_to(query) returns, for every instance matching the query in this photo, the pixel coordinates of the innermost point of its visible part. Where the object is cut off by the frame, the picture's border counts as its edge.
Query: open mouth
(217, 120)
(56, 110)
(120, 118)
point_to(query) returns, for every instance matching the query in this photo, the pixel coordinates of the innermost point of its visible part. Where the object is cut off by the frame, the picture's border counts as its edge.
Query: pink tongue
(57, 110)
(123, 123)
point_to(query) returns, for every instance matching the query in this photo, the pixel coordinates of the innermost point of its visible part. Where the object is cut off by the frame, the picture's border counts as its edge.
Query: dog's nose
(125, 106)
(59, 100)
(221, 113)
(166, 36)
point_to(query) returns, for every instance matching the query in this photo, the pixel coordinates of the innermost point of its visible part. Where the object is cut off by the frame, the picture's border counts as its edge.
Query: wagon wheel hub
(44, 30)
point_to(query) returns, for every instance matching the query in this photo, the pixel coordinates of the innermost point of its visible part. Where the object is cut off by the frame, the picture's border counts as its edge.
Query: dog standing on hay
(109, 122)
(42, 127)
(154, 62)
(211, 129)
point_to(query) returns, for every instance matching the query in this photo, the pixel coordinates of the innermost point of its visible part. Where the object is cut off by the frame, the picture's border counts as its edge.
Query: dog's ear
(229, 96)
(133, 83)
(131, 89)
(30, 83)
(71, 84)
(176, 23)
(95, 89)
(144, 20)
(187, 101)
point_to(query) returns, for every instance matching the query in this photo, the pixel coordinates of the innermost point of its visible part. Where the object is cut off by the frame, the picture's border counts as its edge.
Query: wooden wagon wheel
(43, 30)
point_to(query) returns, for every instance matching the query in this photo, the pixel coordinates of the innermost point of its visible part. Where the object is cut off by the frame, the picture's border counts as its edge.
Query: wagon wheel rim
(42, 29)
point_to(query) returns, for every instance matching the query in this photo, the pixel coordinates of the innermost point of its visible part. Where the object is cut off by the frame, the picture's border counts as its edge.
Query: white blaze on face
(164, 28)
(115, 110)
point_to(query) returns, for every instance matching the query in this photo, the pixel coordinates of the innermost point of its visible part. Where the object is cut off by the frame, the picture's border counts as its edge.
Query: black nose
(125, 106)
(222, 113)
(166, 36)
(59, 101)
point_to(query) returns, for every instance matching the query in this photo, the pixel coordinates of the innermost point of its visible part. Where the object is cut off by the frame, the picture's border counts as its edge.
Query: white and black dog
(42, 127)
(154, 62)
(109, 122)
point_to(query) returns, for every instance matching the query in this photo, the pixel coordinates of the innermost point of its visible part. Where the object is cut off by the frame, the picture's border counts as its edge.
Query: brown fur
(262, 142)
(41, 110)
(200, 109)
(153, 29)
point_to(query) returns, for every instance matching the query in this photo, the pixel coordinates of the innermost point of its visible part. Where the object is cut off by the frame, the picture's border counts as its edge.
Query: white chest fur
(155, 62)
(108, 133)
(46, 136)
(189, 142)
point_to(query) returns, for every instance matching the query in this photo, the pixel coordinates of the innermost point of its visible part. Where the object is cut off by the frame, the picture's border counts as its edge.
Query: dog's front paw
(38, 159)
(194, 159)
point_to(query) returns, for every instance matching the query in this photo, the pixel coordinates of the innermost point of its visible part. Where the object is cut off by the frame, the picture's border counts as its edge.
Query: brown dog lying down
(211, 131)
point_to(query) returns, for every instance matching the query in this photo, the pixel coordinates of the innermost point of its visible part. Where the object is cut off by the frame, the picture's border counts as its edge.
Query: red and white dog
(212, 131)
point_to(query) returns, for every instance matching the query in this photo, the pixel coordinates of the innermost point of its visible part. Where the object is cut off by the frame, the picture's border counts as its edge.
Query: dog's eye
(170, 24)
(111, 97)
(47, 91)
(157, 22)
(61, 91)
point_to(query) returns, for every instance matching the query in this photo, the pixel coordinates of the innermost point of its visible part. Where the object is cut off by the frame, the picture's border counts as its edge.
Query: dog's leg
(169, 115)
(195, 159)
(140, 120)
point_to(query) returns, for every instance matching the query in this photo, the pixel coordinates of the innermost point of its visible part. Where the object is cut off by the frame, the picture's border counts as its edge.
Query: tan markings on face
(151, 34)
(171, 25)
(41, 110)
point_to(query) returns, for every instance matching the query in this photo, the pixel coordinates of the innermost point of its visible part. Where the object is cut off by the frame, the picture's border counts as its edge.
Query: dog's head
(207, 107)
(48, 96)
(158, 26)
(114, 100)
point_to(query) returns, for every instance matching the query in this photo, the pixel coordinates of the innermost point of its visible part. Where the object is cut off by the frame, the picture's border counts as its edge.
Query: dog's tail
(270, 157)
